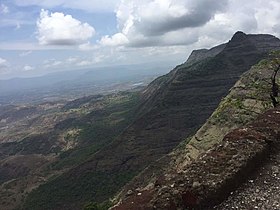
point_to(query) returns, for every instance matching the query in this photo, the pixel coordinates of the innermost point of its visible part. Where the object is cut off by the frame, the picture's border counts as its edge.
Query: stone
(196, 184)
(129, 192)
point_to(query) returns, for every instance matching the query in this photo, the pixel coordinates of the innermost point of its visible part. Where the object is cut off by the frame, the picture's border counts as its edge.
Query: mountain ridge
(186, 177)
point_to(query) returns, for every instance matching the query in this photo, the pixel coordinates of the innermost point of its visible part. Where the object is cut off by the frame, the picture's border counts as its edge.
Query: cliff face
(248, 98)
(225, 152)
(173, 107)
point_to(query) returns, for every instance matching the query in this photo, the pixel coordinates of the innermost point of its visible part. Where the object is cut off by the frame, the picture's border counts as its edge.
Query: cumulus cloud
(162, 16)
(151, 23)
(59, 29)
(161, 22)
(115, 40)
(262, 17)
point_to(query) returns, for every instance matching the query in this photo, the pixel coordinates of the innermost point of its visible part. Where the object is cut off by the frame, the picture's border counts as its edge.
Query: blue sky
(43, 36)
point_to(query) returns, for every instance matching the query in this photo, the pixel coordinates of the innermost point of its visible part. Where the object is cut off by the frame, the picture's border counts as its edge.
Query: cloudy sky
(43, 36)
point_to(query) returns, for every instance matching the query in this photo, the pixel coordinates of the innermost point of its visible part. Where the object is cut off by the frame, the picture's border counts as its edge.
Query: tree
(274, 65)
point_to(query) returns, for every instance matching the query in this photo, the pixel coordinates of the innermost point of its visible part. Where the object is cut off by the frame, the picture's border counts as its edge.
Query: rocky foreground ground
(261, 190)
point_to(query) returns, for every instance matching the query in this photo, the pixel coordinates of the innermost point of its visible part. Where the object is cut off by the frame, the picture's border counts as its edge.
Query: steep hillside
(172, 108)
(214, 175)
(205, 168)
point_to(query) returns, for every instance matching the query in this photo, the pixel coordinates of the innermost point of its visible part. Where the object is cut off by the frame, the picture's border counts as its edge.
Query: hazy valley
(47, 129)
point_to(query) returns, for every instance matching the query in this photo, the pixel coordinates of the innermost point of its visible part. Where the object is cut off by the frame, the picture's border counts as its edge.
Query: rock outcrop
(216, 173)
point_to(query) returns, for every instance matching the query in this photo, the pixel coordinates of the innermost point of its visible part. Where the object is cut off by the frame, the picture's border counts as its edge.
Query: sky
(43, 36)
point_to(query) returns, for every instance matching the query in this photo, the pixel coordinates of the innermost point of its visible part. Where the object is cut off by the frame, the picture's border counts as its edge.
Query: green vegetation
(33, 144)
(82, 188)
(96, 130)
(248, 98)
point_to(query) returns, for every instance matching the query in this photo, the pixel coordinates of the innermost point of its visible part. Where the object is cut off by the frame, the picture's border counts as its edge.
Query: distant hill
(72, 84)
(171, 109)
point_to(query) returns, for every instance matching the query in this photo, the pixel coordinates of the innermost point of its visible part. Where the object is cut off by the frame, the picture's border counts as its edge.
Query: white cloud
(146, 23)
(262, 17)
(268, 17)
(28, 68)
(4, 9)
(59, 29)
(158, 17)
(116, 40)
(147, 30)
(85, 46)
